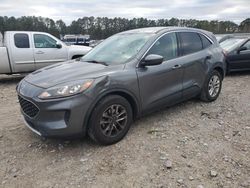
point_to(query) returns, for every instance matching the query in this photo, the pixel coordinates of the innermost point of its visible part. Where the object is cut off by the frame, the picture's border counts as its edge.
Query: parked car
(237, 52)
(223, 37)
(26, 51)
(76, 40)
(126, 76)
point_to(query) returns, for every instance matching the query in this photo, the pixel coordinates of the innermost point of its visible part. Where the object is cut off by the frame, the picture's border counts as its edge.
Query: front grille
(28, 107)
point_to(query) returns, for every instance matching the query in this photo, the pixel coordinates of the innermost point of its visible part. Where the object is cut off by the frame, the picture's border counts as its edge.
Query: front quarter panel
(117, 82)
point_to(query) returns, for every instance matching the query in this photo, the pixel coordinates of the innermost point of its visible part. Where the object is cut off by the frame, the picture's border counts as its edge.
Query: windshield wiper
(97, 62)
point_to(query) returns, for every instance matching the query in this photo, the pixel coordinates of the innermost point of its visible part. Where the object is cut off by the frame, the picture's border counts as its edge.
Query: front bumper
(62, 117)
(31, 128)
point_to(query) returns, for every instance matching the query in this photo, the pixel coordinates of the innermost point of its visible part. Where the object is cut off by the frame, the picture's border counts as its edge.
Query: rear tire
(110, 120)
(212, 87)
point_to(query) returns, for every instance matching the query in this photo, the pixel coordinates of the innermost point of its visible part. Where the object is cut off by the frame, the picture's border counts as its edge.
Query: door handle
(40, 52)
(176, 67)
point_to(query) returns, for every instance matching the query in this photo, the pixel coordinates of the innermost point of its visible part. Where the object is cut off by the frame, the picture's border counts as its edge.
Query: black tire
(205, 94)
(106, 105)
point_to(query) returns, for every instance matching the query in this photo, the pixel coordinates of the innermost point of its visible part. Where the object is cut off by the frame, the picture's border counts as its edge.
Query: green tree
(245, 26)
(61, 27)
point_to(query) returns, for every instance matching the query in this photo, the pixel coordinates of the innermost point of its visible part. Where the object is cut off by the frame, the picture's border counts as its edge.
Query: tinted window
(166, 46)
(21, 40)
(191, 43)
(44, 41)
(205, 42)
(247, 45)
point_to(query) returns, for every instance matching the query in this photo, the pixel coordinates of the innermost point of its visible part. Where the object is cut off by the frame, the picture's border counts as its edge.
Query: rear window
(21, 40)
(191, 42)
(205, 42)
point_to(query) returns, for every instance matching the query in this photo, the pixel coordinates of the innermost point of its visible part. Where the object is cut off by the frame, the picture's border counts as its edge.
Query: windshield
(117, 49)
(230, 44)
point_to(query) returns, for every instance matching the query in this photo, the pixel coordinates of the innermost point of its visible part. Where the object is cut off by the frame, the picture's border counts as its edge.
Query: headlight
(66, 89)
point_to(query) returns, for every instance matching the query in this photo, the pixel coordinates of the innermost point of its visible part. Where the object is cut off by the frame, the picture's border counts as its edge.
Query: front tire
(212, 87)
(110, 120)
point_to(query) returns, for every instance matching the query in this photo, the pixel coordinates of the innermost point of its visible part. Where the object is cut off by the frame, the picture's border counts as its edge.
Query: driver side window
(44, 41)
(247, 45)
(166, 46)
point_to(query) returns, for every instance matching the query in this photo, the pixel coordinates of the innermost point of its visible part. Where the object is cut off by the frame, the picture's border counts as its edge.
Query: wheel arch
(220, 70)
(123, 93)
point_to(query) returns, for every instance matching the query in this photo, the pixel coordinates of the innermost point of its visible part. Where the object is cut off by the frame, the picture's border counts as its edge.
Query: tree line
(103, 27)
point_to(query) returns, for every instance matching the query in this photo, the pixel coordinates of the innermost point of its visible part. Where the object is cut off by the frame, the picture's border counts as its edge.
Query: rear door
(21, 52)
(195, 54)
(46, 51)
(241, 60)
(161, 85)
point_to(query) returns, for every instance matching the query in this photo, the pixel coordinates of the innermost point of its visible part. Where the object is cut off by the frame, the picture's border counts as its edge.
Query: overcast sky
(68, 10)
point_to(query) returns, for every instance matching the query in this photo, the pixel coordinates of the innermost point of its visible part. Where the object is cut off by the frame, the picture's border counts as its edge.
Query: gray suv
(128, 75)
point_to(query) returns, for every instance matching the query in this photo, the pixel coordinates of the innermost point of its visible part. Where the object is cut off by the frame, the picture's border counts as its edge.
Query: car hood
(69, 71)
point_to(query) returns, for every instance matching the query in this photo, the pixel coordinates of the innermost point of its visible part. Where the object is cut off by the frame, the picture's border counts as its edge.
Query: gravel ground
(193, 144)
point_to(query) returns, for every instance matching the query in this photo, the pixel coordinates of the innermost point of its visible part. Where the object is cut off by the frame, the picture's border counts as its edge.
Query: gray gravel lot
(193, 144)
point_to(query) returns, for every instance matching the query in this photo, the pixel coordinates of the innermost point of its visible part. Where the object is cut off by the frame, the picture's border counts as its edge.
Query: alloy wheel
(214, 85)
(113, 120)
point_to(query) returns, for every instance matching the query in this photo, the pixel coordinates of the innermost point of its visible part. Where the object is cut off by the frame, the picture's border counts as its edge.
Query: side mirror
(58, 45)
(152, 60)
(242, 48)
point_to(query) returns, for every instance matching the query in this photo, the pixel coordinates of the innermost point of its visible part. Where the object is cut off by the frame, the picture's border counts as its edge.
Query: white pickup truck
(26, 51)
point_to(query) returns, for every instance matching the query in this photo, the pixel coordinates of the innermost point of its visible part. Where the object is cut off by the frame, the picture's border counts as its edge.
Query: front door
(161, 85)
(240, 60)
(46, 51)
